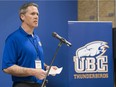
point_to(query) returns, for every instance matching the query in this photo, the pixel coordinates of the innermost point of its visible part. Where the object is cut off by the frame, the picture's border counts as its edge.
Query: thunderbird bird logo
(95, 48)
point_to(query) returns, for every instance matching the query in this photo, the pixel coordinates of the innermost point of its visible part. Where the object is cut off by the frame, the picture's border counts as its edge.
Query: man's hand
(39, 73)
(52, 67)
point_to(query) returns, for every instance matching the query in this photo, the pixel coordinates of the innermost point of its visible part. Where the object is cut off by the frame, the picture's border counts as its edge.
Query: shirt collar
(25, 33)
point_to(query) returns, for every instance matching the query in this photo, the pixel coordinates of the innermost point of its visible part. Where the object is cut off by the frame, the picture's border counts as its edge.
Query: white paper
(57, 71)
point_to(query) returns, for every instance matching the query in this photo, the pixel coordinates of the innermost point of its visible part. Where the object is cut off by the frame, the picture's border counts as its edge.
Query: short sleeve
(9, 53)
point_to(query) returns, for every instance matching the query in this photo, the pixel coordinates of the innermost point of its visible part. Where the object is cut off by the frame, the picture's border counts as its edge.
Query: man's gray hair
(23, 8)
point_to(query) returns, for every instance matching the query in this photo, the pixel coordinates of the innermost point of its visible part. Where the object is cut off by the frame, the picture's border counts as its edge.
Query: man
(23, 54)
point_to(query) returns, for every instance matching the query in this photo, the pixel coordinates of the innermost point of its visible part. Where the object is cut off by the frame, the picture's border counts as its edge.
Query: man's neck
(27, 29)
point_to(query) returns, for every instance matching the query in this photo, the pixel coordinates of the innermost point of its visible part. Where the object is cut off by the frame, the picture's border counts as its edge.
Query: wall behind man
(53, 18)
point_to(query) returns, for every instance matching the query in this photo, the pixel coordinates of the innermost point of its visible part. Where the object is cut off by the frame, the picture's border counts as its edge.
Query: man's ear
(22, 17)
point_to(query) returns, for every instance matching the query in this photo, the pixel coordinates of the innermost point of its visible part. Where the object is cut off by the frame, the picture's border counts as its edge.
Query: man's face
(30, 18)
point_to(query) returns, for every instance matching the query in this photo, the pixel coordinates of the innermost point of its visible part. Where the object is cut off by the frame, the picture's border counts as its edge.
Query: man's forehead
(32, 9)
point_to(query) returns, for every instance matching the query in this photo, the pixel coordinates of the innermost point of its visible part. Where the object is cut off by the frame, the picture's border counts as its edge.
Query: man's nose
(36, 17)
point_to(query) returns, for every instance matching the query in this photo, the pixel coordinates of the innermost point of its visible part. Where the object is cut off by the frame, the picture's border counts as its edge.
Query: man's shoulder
(13, 35)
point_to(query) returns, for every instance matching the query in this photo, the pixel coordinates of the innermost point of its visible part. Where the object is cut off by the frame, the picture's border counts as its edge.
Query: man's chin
(36, 26)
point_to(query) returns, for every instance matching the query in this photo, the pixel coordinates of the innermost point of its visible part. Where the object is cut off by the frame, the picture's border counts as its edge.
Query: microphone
(54, 34)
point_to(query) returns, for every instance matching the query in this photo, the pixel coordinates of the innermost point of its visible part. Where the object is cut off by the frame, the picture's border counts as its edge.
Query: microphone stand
(59, 45)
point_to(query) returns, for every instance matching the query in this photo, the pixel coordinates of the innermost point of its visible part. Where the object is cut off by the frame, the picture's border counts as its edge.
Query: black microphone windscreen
(54, 34)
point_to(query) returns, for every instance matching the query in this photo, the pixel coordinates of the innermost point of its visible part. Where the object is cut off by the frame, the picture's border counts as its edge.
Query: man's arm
(16, 70)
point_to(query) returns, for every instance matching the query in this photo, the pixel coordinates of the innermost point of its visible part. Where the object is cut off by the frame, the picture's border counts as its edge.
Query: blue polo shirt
(22, 49)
